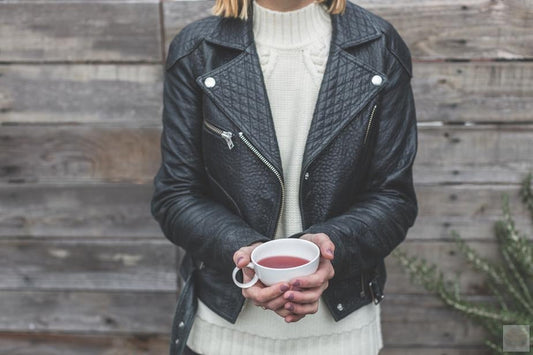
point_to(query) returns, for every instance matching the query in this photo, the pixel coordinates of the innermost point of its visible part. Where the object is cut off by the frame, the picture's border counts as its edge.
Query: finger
(275, 304)
(308, 296)
(241, 257)
(263, 294)
(324, 243)
(282, 312)
(327, 248)
(302, 309)
(324, 273)
(248, 274)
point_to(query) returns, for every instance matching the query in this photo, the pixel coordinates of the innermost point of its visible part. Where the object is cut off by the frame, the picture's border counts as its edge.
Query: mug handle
(247, 284)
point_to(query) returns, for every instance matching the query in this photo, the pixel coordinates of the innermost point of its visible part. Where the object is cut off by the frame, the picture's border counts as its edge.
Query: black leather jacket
(220, 185)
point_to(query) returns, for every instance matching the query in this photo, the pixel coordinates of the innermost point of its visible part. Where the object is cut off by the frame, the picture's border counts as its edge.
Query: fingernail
(296, 283)
(330, 252)
(291, 297)
(284, 288)
(290, 307)
(239, 259)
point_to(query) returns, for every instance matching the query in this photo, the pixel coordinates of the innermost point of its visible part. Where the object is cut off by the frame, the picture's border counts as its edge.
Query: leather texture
(356, 183)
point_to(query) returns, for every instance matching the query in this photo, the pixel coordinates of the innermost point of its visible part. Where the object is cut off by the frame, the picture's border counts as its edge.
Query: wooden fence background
(85, 269)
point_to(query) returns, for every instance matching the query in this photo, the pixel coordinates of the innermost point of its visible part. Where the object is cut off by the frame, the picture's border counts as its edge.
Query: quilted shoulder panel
(189, 37)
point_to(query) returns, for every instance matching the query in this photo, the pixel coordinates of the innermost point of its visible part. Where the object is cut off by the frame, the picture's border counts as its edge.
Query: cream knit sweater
(293, 48)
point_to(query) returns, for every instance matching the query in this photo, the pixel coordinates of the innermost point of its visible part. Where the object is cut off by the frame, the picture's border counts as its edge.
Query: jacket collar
(352, 28)
(345, 90)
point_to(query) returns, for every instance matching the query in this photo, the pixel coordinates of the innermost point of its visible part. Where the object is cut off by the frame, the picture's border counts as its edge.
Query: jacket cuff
(297, 235)
(335, 238)
(262, 240)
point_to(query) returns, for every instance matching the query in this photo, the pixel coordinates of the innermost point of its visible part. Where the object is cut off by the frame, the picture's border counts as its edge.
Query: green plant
(510, 282)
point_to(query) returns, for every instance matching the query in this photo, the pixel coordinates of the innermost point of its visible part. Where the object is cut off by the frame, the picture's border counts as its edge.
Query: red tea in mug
(282, 262)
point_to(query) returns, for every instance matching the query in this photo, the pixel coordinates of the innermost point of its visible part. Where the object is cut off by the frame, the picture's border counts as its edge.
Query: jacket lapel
(346, 86)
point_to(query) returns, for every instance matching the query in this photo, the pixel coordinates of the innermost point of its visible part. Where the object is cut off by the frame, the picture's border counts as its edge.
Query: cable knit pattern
(293, 48)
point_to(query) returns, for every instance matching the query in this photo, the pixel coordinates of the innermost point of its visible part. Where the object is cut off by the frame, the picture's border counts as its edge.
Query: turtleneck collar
(289, 29)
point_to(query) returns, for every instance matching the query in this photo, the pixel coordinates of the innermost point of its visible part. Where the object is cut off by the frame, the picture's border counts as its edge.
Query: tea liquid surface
(282, 262)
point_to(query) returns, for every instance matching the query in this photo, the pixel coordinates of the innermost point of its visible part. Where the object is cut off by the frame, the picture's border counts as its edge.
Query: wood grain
(85, 31)
(461, 29)
(425, 321)
(178, 14)
(471, 210)
(88, 264)
(123, 313)
(79, 154)
(110, 210)
(474, 154)
(82, 93)
(474, 92)
(449, 260)
(31, 343)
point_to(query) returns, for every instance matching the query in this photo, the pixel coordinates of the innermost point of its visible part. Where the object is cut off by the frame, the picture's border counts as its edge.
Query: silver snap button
(306, 176)
(209, 82)
(181, 325)
(377, 80)
(177, 342)
(340, 307)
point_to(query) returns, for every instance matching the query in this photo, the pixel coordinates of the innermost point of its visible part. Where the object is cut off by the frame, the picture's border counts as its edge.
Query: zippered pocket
(226, 135)
(370, 121)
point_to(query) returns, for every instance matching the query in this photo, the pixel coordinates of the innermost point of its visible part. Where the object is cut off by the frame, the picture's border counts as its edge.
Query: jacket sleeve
(180, 203)
(379, 219)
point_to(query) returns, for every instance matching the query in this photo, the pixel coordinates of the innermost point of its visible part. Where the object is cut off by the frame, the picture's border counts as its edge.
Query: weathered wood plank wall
(85, 268)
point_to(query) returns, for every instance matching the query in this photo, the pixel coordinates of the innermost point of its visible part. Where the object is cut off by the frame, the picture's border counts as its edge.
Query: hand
(268, 297)
(306, 291)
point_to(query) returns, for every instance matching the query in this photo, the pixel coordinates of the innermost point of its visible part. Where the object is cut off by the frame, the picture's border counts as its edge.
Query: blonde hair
(239, 8)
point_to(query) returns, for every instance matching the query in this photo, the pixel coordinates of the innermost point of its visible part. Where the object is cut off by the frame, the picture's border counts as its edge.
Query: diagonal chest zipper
(271, 167)
(370, 123)
(227, 136)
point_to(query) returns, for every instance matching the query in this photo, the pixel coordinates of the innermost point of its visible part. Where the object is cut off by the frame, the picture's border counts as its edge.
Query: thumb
(327, 248)
(241, 258)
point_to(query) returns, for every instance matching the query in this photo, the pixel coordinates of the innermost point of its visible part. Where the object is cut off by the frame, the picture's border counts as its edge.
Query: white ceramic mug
(291, 247)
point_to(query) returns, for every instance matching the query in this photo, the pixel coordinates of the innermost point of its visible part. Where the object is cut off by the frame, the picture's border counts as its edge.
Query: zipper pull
(362, 293)
(375, 291)
(227, 137)
(375, 288)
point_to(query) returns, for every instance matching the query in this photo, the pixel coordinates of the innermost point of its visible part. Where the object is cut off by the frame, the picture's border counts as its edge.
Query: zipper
(227, 136)
(271, 167)
(362, 294)
(370, 122)
(375, 289)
